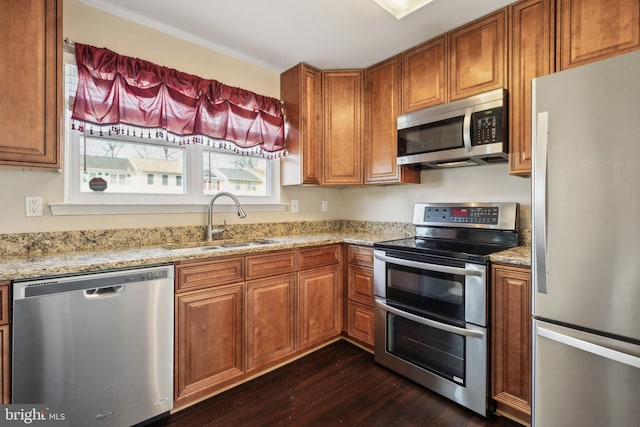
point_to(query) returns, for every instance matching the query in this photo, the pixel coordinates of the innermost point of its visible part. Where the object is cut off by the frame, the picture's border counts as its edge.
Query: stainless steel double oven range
(432, 293)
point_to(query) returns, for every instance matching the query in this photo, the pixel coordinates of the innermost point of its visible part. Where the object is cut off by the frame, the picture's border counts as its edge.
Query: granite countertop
(78, 261)
(48, 265)
(519, 256)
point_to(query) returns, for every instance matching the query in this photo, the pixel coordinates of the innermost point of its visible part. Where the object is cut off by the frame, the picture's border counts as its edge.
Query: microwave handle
(380, 302)
(466, 130)
(431, 267)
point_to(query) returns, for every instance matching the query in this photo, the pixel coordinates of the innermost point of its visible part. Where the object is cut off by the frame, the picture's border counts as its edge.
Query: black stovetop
(469, 246)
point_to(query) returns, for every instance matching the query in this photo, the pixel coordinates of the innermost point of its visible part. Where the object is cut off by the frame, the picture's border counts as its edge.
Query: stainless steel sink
(212, 246)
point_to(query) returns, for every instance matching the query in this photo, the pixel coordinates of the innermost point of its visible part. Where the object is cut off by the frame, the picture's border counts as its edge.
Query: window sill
(62, 209)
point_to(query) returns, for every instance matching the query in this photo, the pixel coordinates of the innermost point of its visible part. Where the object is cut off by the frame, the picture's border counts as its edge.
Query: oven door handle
(431, 267)
(380, 302)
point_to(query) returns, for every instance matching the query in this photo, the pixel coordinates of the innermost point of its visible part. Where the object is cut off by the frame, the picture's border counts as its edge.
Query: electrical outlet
(325, 206)
(295, 207)
(33, 205)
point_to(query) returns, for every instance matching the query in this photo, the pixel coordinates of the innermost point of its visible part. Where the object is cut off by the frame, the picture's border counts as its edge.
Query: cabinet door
(270, 314)
(361, 284)
(424, 75)
(343, 126)
(30, 82)
(300, 90)
(5, 366)
(208, 339)
(361, 322)
(511, 351)
(382, 108)
(532, 55)
(590, 30)
(477, 56)
(319, 305)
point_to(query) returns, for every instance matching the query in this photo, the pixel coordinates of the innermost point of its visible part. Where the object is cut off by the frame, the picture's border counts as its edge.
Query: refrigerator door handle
(592, 348)
(540, 201)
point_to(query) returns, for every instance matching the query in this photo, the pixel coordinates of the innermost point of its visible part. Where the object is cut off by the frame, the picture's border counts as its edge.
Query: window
(143, 167)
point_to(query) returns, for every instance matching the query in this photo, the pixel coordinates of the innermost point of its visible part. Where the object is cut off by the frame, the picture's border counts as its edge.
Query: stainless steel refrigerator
(586, 245)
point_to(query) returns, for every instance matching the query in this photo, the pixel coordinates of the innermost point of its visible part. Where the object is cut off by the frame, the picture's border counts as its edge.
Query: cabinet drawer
(270, 264)
(318, 257)
(360, 255)
(361, 284)
(360, 324)
(4, 303)
(209, 273)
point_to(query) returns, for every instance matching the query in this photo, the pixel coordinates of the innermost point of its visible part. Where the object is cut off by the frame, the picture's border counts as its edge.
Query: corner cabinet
(342, 147)
(531, 39)
(382, 105)
(30, 82)
(300, 91)
(478, 56)
(591, 30)
(511, 344)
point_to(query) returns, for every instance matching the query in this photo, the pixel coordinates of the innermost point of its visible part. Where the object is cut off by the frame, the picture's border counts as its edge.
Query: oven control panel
(476, 215)
(462, 215)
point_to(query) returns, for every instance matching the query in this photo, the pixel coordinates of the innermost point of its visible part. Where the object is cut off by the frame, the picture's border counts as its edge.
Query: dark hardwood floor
(338, 385)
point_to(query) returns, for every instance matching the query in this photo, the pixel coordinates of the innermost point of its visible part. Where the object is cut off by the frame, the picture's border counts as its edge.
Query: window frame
(193, 199)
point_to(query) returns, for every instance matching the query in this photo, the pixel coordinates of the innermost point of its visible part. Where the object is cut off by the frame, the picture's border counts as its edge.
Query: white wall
(471, 184)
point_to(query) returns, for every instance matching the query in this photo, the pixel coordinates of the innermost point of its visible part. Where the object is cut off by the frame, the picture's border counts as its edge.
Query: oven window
(438, 351)
(431, 291)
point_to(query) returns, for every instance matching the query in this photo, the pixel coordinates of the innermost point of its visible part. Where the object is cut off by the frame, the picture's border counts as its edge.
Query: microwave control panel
(487, 126)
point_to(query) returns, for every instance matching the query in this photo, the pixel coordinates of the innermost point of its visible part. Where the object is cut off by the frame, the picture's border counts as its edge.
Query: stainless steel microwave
(466, 132)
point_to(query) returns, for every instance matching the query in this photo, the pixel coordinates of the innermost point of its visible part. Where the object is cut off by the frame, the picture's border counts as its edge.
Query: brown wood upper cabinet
(30, 82)
(424, 75)
(382, 83)
(477, 56)
(342, 102)
(590, 30)
(511, 350)
(300, 90)
(532, 50)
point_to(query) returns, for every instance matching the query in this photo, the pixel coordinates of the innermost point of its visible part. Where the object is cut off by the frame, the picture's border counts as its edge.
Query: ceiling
(278, 34)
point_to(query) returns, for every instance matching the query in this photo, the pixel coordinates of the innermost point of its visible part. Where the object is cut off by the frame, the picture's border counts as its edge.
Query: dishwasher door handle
(104, 292)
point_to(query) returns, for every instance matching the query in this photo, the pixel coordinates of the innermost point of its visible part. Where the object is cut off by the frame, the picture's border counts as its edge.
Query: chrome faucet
(210, 230)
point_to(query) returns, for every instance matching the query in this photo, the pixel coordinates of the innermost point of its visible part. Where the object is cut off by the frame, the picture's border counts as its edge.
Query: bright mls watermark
(32, 415)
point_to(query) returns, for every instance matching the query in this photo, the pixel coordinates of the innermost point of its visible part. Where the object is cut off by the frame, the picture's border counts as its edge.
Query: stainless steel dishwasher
(98, 347)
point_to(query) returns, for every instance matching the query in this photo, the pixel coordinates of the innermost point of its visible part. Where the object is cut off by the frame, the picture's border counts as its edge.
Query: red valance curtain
(116, 90)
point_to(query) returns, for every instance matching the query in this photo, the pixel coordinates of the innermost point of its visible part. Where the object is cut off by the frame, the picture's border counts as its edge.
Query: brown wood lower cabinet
(511, 350)
(208, 338)
(318, 305)
(5, 353)
(360, 294)
(239, 316)
(270, 311)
